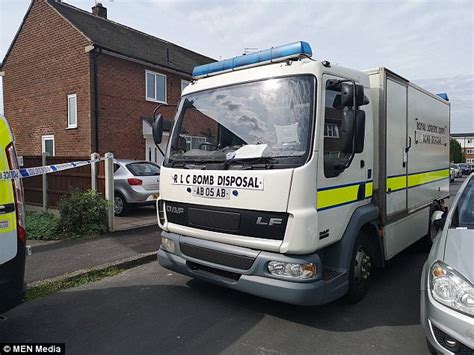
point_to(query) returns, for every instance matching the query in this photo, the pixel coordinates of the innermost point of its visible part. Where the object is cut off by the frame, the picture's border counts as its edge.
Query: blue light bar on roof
(274, 54)
(443, 95)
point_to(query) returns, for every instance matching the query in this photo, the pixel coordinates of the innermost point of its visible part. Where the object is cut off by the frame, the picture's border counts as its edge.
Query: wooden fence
(60, 183)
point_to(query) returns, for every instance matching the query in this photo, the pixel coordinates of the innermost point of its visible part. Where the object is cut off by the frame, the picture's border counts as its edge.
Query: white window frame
(334, 130)
(69, 125)
(43, 143)
(147, 98)
(187, 82)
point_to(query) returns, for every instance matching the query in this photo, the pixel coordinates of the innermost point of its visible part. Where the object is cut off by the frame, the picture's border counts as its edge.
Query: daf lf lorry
(292, 179)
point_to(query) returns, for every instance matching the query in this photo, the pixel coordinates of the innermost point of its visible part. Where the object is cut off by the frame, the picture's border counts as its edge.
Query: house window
(331, 130)
(194, 142)
(184, 83)
(155, 87)
(47, 145)
(72, 111)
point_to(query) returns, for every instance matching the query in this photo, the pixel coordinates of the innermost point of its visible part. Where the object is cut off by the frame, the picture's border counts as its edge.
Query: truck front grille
(241, 262)
(211, 272)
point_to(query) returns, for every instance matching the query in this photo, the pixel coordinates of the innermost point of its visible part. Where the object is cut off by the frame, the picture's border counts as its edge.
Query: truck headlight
(299, 271)
(167, 245)
(451, 289)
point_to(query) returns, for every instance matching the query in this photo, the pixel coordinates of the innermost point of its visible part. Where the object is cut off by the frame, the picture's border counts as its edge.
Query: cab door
(343, 181)
(8, 225)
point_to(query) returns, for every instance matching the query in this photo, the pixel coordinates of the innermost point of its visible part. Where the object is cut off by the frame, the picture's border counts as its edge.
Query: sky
(429, 42)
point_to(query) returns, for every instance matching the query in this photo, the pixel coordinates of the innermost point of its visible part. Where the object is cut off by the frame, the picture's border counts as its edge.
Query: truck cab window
(335, 160)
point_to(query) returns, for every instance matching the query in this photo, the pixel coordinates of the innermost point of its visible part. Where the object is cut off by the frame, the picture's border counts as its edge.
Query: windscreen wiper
(252, 163)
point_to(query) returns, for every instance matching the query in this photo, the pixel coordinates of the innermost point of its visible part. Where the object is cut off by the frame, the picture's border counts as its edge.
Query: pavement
(149, 309)
(135, 218)
(51, 260)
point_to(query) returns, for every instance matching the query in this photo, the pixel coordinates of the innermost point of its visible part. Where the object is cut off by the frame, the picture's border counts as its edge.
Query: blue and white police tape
(40, 170)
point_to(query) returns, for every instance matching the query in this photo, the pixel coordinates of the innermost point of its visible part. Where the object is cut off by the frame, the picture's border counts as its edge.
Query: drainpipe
(95, 54)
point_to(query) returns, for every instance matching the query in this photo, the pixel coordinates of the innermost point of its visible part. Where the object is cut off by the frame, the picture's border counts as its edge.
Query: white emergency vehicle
(291, 178)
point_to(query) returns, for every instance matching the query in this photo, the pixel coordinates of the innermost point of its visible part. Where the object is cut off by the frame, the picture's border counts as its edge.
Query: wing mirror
(352, 131)
(347, 95)
(157, 128)
(438, 219)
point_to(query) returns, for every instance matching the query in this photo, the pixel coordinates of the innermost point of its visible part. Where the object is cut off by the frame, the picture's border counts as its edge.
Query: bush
(42, 226)
(83, 213)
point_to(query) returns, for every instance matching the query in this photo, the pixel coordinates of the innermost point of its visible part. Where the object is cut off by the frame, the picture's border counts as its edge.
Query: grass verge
(48, 288)
(84, 277)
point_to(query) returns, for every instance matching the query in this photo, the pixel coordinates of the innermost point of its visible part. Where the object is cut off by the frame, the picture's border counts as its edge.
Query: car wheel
(431, 348)
(363, 256)
(120, 205)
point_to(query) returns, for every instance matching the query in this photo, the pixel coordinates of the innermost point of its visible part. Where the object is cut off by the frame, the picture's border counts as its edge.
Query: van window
(334, 160)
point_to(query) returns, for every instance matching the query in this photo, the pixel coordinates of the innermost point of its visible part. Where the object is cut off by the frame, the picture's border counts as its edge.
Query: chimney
(99, 10)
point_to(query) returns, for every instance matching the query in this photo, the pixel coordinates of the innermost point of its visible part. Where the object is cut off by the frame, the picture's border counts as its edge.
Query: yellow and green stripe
(401, 182)
(336, 196)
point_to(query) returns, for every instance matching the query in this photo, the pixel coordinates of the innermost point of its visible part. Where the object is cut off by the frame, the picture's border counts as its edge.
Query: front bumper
(438, 319)
(256, 279)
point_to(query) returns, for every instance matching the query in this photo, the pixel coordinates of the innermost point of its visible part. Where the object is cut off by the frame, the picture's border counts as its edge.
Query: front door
(342, 177)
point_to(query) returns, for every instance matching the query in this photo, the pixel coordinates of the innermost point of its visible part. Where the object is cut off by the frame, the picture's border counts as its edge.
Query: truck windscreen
(268, 120)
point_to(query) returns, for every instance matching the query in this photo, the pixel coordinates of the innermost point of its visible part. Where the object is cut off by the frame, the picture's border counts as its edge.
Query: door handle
(409, 145)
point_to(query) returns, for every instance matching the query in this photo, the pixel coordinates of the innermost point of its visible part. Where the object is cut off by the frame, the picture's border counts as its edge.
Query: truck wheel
(363, 256)
(120, 205)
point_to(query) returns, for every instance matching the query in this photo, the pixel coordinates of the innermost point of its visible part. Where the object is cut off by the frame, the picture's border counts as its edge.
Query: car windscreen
(143, 169)
(464, 216)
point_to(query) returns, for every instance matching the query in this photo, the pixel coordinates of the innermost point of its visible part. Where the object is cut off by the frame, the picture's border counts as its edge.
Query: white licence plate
(211, 192)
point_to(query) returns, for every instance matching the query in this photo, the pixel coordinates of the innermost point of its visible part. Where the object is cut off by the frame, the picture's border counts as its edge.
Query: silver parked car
(136, 183)
(457, 170)
(447, 281)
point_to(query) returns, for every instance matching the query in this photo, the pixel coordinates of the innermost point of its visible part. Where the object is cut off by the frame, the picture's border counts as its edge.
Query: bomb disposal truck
(292, 179)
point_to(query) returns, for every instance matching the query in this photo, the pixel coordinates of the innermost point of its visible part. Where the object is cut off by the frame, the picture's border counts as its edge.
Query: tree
(456, 155)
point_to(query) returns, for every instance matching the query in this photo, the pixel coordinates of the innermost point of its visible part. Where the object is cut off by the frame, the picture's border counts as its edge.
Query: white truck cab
(290, 178)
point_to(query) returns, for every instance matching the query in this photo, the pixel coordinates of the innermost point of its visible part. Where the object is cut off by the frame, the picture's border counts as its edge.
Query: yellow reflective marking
(6, 187)
(368, 189)
(399, 182)
(396, 183)
(423, 178)
(7, 222)
(5, 136)
(337, 196)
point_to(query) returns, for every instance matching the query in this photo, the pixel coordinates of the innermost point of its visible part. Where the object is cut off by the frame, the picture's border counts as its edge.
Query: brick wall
(46, 64)
(122, 104)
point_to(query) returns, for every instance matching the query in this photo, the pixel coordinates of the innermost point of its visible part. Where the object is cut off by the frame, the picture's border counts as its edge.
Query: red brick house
(76, 83)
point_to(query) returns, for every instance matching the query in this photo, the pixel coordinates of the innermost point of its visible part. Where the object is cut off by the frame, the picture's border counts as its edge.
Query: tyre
(120, 205)
(363, 255)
